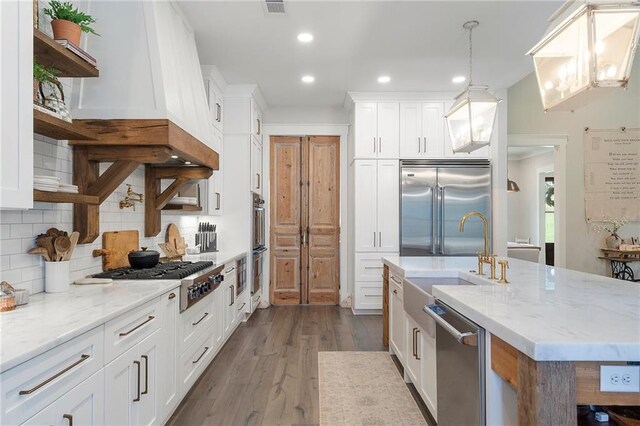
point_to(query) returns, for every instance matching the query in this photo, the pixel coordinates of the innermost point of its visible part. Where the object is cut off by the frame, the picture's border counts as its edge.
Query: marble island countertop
(549, 314)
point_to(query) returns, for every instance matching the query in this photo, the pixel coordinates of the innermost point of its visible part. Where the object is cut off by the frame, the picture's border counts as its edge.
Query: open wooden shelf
(53, 127)
(184, 208)
(64, 197)
(51, 54)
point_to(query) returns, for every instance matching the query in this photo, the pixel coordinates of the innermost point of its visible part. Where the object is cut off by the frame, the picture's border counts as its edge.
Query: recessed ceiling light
(305, 37)
(174, 156)
(187, 162)
(384, 79)
(308, 79)
(458, 79)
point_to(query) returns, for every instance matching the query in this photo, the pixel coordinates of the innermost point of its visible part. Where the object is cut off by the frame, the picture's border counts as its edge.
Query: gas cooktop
(162, 271)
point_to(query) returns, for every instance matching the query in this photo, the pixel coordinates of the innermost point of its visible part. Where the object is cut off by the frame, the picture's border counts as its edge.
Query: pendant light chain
(470, 57)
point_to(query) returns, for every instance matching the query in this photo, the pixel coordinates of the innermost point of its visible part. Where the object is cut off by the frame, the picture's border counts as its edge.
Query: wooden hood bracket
(155, 199)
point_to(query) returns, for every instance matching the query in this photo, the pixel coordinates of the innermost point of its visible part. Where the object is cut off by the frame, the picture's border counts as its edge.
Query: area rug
(364, 388)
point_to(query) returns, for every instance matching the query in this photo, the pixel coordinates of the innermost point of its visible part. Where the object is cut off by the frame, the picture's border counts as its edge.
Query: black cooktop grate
(163, 271)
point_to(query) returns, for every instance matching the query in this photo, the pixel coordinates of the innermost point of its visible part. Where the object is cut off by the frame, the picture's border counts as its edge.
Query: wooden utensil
(47, 243)
(52, 232)
(169, 251)
(41, 251)
(75, 235)
(62, 246)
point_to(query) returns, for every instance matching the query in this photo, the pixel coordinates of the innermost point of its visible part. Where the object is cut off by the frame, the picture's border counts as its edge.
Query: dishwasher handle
(469, 339)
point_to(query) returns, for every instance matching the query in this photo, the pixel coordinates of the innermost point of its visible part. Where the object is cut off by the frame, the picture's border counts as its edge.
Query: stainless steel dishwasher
(460, 363)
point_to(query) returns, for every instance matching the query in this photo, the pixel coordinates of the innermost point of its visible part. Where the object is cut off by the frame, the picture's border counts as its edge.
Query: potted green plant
(68, 22)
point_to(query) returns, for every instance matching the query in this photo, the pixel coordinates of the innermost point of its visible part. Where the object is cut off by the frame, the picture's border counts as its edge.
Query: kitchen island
(548, 331)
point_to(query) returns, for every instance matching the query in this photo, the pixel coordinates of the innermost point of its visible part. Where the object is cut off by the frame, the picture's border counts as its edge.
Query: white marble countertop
(50, 319)
(218, 257)
(549, 314)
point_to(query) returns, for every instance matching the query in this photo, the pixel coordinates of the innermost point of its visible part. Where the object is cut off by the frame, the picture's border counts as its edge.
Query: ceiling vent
(275, 6)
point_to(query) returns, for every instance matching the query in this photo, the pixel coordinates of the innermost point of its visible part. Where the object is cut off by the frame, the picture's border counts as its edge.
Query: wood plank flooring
(267, 373)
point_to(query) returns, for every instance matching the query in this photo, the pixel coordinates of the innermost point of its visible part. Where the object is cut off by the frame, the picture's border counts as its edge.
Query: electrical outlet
(620, 378)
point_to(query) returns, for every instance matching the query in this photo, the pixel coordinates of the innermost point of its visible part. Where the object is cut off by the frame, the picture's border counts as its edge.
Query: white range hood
(149, 67)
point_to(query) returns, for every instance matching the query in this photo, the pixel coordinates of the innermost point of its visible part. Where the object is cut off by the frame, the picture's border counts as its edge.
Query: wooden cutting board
(116, 247)
(175, 240)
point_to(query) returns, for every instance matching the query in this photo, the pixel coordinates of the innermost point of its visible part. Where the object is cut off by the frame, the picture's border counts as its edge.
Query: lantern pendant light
(590, 44)
(471, 118)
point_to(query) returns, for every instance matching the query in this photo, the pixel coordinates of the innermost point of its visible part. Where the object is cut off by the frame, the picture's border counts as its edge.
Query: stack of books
(77, 51)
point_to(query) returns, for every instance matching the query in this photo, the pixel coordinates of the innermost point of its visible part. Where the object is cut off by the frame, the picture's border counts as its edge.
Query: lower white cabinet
(367, 293)
(412, 365)
(82, 405)
(131, 391)
(168, 379)
(420, 361)
(396, 321)
(428, 382)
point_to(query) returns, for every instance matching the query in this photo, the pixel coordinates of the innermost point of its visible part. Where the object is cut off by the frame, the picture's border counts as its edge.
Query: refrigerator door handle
(441, 222)
(434, 221)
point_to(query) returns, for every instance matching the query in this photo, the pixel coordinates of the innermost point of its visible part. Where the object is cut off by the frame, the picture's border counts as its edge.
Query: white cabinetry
(377, 130)
(428, 382)
(413, 356)
(376, 205)
(256, 119)
(396, 319)
(168, 380)
(16, 119)
(82, 405)
(132, 396)
(422, 130)
(229, 300)
(257, 179)
(368, 280)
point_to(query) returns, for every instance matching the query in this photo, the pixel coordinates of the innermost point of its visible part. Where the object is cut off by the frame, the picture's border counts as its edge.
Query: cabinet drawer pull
(217, 201)
(373, 267)
(137, 398)
(395, 291)
(395, 280)
(372, 295)
(243, 305)
(68, 417)
(82, 359)
(172, 296)
(200, 320)
(206, 348)
(417, 354)
(231, 293)
(226, 271)
(146, 374)
(151, 317)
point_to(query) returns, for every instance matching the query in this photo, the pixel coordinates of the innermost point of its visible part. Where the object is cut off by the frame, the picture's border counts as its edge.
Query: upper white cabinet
(376, 205)
(257, 179)
(256, 120)
(377, 130)
(16, 105)
(421, 130)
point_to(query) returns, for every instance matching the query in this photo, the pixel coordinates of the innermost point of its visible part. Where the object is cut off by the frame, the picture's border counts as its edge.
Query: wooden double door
(305, 220)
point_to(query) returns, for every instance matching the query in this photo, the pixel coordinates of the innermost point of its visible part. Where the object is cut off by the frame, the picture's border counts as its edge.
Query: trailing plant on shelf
(43, 76)
(68, 22)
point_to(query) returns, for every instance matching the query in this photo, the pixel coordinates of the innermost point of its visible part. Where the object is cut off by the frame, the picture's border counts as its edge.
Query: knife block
(208, 241)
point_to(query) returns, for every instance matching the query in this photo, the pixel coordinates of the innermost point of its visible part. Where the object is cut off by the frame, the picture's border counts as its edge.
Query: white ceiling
(421, 45)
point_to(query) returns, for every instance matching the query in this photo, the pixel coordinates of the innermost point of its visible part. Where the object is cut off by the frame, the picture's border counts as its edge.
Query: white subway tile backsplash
(12, 246)
(21, 231)
(10, 216)
(31, 216)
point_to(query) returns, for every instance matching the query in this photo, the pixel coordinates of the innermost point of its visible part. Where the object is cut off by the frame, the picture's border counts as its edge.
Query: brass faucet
(483, 258)
(130, 198)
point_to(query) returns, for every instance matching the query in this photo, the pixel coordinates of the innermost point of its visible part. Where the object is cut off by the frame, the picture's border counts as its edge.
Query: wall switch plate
(620, 378)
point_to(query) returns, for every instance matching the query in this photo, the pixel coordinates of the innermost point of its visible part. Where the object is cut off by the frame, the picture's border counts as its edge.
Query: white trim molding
(559, 144)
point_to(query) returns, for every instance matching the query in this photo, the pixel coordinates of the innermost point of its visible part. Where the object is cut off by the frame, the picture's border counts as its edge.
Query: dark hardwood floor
(267, 371)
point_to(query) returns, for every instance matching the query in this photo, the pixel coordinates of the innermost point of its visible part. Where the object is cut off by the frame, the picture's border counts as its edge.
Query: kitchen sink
(416, 293)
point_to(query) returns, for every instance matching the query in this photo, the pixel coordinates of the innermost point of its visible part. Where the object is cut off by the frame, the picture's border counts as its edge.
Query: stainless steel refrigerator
(434, 197)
